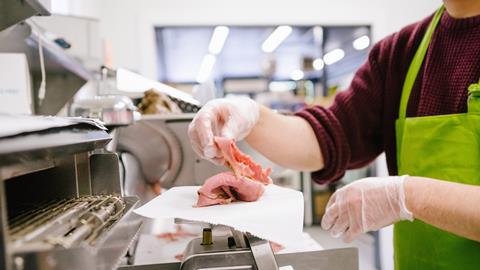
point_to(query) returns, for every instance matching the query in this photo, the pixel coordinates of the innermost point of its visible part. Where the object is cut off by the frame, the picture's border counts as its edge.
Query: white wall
(128, 24)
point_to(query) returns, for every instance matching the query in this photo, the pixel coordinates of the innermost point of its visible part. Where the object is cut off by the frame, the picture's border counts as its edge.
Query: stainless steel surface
(64, 223)
(61, 205)
(332, 259)
(113, 110)
(14, 11)
(42, 147)
(239, 238)
(219, 254)
(255, 253)
(262, 253)
(105, 173)
(82, 168)
(102, 252)
(163, 266)
(157, 150)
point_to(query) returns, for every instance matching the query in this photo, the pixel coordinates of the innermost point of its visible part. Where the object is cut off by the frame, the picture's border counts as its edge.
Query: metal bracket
(262, 253)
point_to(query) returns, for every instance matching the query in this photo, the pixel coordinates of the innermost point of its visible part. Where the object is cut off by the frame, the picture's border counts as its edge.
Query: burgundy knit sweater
(361, 122)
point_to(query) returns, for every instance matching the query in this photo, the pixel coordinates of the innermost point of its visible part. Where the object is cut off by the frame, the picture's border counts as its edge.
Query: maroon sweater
(361, 122)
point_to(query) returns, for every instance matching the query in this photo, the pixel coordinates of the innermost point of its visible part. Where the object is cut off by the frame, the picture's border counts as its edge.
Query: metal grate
(66, 222)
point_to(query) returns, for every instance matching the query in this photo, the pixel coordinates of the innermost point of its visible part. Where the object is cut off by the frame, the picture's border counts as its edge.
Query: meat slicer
(234, 250)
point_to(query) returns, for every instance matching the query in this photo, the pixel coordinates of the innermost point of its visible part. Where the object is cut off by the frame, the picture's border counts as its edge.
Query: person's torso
(451, 64)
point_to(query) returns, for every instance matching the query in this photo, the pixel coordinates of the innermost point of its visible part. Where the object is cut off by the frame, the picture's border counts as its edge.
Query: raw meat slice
(240, 163)
(223, 188)
(245, 182)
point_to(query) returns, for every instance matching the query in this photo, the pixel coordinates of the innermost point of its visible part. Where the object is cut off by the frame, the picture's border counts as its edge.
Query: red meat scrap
(240, 163)
(175, 236)
(244, 183)
(179, 257)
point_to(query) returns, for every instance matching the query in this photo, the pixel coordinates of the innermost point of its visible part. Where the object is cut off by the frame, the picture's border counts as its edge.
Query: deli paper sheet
(277, 216)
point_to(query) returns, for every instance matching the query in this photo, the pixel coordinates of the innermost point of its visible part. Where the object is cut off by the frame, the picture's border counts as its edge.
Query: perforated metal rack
(61, 202)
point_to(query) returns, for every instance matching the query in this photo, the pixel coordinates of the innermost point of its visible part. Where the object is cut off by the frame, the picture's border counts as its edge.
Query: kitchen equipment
(156, 151)
(61, 201)
(113, 110)
(237, 250)
(16, 11)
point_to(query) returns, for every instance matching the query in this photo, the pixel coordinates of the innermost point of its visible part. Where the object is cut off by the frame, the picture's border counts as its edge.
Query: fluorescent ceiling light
(318, 64)
(333, 56)
(206, 68)
(296, 75)
(219, 37)
(361, 43)
(276, 38)
(282, 86)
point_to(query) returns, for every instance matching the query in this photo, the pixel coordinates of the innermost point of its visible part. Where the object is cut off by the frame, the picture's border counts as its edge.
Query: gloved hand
(227, 117)
(365, 205)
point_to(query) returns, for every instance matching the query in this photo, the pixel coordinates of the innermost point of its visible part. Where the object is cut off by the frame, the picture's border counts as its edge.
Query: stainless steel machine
(61, 203)
(242, 251)
(156, 150)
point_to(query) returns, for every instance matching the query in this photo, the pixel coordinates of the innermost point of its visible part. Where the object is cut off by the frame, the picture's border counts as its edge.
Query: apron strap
(416, 63)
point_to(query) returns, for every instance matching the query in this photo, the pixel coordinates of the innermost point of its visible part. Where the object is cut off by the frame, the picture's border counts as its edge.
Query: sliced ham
(244, 183)
(226, 187)
(240, 163)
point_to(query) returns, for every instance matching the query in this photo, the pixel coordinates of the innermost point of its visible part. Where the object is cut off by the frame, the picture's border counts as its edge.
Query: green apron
(443, 147)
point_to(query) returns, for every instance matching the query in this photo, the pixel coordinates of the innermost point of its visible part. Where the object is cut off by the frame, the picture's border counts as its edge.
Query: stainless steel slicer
(224, 248)
(236, 249)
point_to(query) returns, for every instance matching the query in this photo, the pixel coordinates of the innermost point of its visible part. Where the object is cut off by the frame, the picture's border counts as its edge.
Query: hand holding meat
(366, 205)
(231, 118)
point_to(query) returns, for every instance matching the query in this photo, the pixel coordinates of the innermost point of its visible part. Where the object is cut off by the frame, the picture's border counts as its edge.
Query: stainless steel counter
(333, 259)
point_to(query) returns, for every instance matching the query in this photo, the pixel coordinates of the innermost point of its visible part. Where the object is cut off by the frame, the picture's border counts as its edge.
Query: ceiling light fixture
(333, 56)
(318, 64)
(296, 75)
(276, 38)
(206, 68)
(219, 36)
(361, 43)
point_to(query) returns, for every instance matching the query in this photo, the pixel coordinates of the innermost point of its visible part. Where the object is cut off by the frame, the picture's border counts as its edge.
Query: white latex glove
(365, 205)
(226, 117)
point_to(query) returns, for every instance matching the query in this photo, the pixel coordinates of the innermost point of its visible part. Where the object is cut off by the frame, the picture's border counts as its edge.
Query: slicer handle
(262, 253)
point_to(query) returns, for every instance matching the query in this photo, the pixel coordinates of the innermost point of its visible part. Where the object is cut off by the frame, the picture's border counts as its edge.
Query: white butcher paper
(277, 216)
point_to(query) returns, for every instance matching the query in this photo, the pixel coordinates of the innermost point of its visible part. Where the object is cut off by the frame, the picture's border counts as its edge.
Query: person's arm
(286, 140)
(452, 207)
(372, 203)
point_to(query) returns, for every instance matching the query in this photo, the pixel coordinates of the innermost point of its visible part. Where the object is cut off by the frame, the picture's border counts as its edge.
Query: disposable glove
(233, 118)
(366, 205)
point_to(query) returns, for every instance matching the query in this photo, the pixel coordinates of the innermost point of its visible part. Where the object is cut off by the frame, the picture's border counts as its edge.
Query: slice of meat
(240, 163)
(226, 187)
(245, 182)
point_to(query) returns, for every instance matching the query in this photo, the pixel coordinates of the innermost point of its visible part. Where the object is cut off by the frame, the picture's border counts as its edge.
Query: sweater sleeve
(350, 131)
